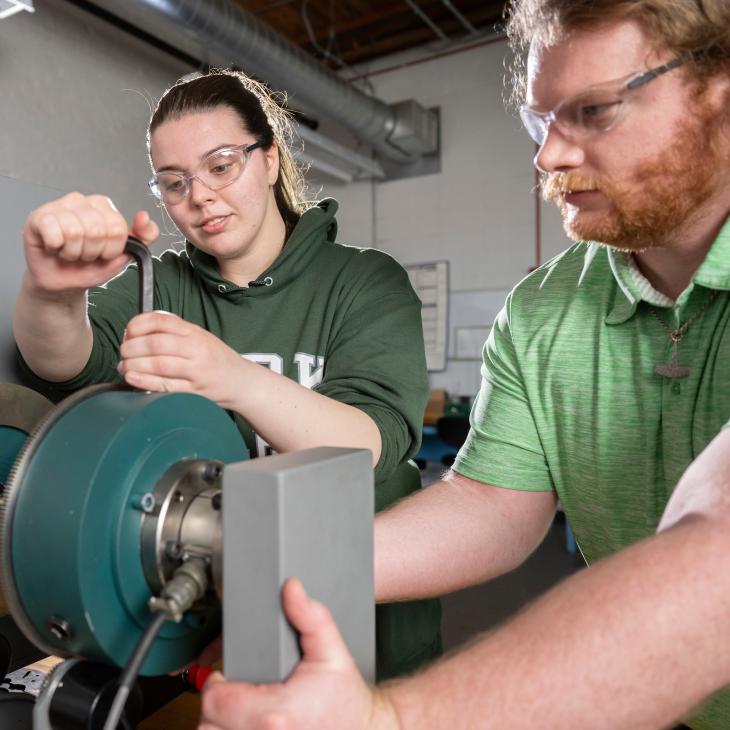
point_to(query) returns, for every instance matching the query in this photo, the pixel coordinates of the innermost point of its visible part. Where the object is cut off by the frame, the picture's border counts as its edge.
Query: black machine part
(16, 711)
(78, 694)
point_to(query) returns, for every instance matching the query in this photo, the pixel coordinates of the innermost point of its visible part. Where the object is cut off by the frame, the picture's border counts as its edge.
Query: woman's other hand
(163, 352)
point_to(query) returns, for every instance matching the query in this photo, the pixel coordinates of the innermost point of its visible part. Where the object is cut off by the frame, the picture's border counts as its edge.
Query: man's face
(638, 184)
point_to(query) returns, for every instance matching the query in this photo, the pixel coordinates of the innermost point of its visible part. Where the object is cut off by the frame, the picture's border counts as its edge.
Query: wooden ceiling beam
(387, 28)
(262, 9)
(362, 53)
(357, 25)
(357, 53)
(485, 14)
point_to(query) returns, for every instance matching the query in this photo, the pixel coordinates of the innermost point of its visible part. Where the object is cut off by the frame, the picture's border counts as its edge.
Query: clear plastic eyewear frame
(595, 109)
(216, 171)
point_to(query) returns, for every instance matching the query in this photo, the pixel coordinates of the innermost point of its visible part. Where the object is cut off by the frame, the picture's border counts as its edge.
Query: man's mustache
(556, 184)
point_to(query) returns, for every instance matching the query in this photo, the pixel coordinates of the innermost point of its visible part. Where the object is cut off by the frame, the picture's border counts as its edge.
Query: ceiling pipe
(236, 35)
(460, 17)
(419, 12)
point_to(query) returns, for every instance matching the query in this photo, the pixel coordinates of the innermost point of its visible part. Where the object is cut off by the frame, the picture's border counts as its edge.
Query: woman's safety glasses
(593, 110)
(216, 170)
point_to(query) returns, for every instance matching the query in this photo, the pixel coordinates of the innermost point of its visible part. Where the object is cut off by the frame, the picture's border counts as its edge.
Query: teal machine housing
(72, 573)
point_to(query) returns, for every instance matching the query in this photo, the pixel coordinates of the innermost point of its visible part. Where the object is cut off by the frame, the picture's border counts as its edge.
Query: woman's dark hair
(260, 114)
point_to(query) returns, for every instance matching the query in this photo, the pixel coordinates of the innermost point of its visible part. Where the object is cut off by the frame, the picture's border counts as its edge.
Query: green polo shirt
(570, 399)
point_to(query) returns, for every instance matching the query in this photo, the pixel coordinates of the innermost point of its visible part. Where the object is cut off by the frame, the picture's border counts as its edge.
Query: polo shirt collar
(627, 296)
(714, 273)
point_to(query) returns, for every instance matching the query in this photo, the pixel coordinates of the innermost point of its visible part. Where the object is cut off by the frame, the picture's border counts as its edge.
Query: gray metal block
(308, 515)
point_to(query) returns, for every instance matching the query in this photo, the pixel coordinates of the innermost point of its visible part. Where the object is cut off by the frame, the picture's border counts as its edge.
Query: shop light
(10, 7)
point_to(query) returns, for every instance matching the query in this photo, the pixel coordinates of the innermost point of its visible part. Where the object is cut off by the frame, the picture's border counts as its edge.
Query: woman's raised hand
(77, 241)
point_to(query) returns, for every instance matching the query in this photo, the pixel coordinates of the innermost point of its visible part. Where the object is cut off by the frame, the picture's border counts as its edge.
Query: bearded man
(605, 376)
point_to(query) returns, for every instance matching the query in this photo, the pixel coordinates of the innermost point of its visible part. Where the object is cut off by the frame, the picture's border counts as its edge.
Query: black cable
(129, 675)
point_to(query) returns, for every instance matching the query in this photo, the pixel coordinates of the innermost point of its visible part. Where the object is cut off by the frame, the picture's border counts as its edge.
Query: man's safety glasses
(593, 110)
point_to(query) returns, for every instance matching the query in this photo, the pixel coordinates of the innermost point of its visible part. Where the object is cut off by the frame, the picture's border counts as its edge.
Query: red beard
(659, 200)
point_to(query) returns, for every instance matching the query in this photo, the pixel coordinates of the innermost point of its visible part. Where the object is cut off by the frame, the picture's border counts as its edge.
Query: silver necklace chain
(673, 369)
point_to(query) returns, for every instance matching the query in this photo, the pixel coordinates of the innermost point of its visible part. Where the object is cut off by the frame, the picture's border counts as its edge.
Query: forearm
(52, 331)
(635, 641)
(454, 534)
(291, 417)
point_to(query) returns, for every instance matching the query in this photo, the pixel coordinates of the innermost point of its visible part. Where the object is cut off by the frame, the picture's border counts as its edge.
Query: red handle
(196, 675)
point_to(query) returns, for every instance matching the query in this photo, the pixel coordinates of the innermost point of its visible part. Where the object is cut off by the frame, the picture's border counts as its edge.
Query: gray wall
(75, 103)
(16, 199)
(478, 212)
(73, 116)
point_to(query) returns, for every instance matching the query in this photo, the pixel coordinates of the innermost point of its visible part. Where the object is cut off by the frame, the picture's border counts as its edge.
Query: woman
(261, 282)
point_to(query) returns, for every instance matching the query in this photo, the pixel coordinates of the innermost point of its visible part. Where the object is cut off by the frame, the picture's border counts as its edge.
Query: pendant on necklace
(673, 369)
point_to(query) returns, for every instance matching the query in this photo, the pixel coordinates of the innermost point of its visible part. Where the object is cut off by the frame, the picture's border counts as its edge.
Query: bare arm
(71, 244)
(647, 631)
(292, 417)
(165, 353)
(454, 534)
(52, 330)
(637, 640)
(704, 489)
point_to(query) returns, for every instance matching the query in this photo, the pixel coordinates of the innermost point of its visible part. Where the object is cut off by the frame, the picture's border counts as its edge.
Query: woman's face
(237, 221)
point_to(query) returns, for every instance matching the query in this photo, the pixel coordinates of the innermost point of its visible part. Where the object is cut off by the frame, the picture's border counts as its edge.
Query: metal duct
(238, 36)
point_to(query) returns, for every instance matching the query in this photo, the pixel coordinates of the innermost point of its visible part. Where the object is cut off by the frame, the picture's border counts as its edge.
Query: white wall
(479, 212)
(75, 105)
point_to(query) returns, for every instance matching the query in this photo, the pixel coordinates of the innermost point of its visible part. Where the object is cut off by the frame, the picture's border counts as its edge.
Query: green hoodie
(339, 319)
